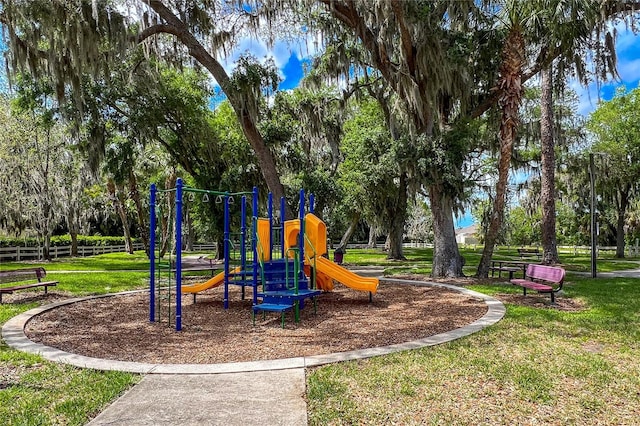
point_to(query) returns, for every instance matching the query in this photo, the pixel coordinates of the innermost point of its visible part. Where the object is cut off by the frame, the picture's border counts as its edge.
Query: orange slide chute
(211, 283)
(334, 271)
(315, 248)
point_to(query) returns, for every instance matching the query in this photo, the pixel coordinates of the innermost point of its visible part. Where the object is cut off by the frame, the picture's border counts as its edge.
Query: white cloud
(628, 67)
(629, 70)
(588, 97)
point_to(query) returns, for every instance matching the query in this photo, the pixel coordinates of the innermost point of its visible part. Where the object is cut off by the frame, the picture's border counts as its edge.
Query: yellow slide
(345, 276)
(211, 283)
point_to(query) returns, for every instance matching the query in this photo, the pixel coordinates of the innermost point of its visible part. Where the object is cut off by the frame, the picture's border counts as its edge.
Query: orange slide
(327, 271)
(211, 283)
(345, 276)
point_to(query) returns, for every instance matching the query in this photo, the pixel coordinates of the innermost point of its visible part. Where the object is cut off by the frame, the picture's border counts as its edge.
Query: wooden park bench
(508, 266)
(529, 252)
(27, 278)
(541, 278)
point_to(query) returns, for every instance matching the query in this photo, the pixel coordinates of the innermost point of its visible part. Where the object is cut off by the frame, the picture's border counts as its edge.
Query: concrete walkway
(629, 273)
(243, 399)
(242, 393)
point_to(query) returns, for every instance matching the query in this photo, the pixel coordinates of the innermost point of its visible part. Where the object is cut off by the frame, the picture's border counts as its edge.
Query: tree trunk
(622, 211)
(509, 103)
(396, 228)
(46, 224)
(219, 254)
(74, 227)
(447, 261)
(620, 236)
(142, 223)
(265, 157)
(74, 243)
(46, 246)
(168, 214)
(189, 237)
(114, 193)
(549, 243)
(198, 52)
(373, 234)
(348, 233)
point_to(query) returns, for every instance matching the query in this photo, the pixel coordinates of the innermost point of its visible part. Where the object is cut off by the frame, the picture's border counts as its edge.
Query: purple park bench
(541, 278)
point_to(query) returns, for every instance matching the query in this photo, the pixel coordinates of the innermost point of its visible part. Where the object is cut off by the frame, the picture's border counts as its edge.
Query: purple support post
(227, 232)
(152, 253)
(312, 202)
(254, 238)
(178, 254)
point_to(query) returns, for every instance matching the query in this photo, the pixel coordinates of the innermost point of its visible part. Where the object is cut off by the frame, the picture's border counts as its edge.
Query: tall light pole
(592, 175)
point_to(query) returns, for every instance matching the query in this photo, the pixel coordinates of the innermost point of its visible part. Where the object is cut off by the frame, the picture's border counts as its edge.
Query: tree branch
(405, 37)
(346, 12)
(154, 30)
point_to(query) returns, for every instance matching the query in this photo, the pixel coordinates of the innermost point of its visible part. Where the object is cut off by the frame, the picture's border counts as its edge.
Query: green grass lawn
(103, 262)
(537, 365)
(37, 392)
(419, 260)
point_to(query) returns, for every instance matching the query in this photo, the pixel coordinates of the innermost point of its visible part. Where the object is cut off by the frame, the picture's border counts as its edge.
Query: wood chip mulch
(118, 327)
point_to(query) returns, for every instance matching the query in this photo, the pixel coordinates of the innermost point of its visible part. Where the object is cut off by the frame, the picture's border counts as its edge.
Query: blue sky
(628, 50)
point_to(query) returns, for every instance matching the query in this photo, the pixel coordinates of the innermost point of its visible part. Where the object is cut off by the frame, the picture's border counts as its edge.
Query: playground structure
(282, 261)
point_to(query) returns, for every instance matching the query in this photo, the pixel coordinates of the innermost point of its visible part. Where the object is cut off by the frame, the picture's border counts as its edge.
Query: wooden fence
(35, 253)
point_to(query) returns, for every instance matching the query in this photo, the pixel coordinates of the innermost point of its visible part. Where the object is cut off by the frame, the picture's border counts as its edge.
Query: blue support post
(226, 251)
(312, 202)
(282, 219)
(243, 242)
(254, 237)
(178, 254)
(152, 254)
(243, 233)
(302, 230)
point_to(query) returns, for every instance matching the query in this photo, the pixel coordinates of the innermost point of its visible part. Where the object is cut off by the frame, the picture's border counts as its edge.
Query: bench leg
(553, 299)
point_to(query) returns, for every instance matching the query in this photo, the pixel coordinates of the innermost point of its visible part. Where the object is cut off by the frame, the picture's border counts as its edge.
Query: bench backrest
(22, 275)
(528, 250)
(547, 273)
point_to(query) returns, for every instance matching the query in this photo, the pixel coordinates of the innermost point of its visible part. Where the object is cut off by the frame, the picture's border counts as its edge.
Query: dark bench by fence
(529, 252)
(543, 279)
(26, 278)
(508, 266)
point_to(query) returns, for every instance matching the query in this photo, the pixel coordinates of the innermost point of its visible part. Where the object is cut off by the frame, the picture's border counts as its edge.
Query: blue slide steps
(278, 294)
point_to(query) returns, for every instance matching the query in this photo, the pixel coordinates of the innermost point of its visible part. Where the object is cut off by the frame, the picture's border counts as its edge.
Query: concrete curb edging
(14, 336)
